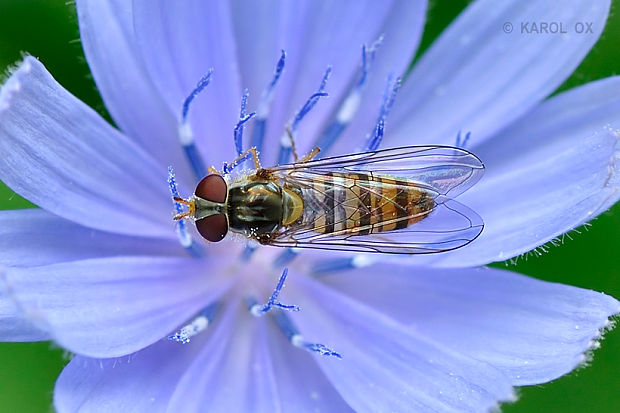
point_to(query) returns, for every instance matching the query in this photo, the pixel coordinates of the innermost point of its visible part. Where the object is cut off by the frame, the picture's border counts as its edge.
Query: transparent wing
(448, 226)
(444, 169)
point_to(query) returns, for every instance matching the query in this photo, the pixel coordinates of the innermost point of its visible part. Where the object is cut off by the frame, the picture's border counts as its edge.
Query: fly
(396, 200)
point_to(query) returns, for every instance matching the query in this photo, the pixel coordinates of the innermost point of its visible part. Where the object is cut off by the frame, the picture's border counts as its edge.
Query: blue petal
(478, 78)
(32, 237)
(61, 155)
(530, 330)
(254, 368)
(107, 35)
(384, 366)
(238, 364)
(550, 172)
(140, 382)
(111, 307)
(179, 44)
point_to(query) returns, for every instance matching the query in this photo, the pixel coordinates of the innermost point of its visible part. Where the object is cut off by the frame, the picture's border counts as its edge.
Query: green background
(48, 29)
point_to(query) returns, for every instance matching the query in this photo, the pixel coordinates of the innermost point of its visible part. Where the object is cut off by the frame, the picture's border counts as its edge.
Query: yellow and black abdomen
(363, 203)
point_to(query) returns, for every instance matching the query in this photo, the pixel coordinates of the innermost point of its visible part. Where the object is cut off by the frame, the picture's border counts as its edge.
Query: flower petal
(552, 171)
(533, 331)
(141, 382)
(107, 35)
(13, 326)
(254, 368)
(111, 307)
(383, 366)
(315, 36)
(61, 155)
(33, 237)
(228, 366)
(478, 77)
(179, 44)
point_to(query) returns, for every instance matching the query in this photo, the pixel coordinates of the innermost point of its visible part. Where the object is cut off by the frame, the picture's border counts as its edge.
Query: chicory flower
(99, 268)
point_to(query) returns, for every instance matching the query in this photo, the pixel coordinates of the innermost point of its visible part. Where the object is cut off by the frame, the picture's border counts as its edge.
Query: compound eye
(212, 188)
(213, 228)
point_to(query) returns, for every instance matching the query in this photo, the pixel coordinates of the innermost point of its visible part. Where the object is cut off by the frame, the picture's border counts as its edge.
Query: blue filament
(202, 83)
(195, 160)
(258, 133)
(183, 235)
(332, 265)
(259, 310)
(243, 118)
(315, 347)
(185, 131)
(260, 125)
(462, 144)
(389, 96)
(350, 105)
(284, 155)
(198, 324)
(341, 264)
(285, 147)
(285, 257)
(248, 251)
(291, 332)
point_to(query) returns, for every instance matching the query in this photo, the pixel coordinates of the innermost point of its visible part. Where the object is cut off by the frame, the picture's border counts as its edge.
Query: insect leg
(289, 132)
(251, 151)
(310, 155)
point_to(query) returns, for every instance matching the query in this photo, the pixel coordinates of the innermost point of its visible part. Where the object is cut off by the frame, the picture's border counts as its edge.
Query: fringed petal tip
(11, 83)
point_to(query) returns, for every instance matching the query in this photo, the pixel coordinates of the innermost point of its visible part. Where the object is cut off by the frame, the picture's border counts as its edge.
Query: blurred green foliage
(48, 29)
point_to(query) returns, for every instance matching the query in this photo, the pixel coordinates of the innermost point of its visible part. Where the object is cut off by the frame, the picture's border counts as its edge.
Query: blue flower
(99, 269)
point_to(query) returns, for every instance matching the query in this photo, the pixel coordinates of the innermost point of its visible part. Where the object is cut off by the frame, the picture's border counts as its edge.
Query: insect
(388, 201)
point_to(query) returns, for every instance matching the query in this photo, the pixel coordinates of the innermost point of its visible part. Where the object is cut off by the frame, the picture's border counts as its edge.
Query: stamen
(248, 251)
(197, 325)
(285, 141)
(183, 235)
(285, 257)
(340, 264)
(200, 86)
(352, 102)
(259, 310)
(298, 341)
(389, 97)
(243, 118)
(186, 135)
(462, 144)
(292, 334)
(264, 106)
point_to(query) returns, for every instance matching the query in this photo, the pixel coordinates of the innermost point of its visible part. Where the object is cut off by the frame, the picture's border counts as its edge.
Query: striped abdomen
(363, 203)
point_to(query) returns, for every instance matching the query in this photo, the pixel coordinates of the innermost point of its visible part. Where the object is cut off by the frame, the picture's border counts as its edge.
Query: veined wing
(444, 169)
(345, 213)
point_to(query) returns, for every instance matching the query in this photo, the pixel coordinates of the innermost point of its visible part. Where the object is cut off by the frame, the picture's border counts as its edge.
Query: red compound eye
(213, 228)
(212, 188)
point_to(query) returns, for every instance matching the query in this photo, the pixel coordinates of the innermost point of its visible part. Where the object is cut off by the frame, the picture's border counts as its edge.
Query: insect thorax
(258, 207)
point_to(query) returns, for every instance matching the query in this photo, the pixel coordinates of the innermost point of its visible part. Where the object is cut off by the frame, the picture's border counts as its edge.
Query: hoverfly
(388, 201)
